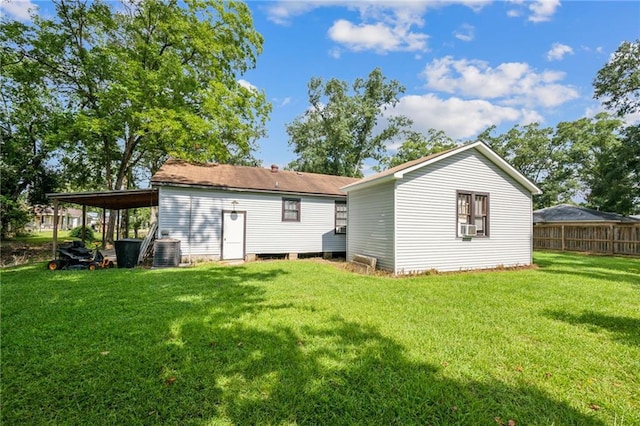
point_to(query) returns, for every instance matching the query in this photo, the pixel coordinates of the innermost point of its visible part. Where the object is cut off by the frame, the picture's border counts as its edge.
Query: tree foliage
(615, 179)
(145, 80)
(417, 145)
(534, 152)
(569, 162)
(619, 80)
(136, 83)
(338, 132)
(28, 118)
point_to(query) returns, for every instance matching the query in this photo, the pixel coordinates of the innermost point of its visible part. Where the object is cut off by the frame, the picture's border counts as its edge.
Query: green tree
(338, 132)
(586, 141)
(567, 162)
(543, 159)
(614, 181)
(618, 82)
(418, 145)
(142, 81)
(28, 113)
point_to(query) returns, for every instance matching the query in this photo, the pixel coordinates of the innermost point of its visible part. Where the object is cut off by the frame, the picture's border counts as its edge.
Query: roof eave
(368, 183)
(238, 189)
(480, 146)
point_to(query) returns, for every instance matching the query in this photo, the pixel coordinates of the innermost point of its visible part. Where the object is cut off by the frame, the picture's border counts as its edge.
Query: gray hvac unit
(166, 253)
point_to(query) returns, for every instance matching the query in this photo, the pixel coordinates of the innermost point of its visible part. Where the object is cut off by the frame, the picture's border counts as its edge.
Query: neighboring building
(68, 218)
(572, 228)
(461, 209)
(566, 213)
(225, 212)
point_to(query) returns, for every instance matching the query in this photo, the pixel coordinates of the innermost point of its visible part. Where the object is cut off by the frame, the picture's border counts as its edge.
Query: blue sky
(465, 64)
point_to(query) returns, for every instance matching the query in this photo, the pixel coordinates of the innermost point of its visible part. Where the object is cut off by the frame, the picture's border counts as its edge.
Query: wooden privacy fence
(595, 238)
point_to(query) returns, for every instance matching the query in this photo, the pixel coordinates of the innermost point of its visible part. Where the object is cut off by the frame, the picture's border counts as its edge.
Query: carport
(107, 200)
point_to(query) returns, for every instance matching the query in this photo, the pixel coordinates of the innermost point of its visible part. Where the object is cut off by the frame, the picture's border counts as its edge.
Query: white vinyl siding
(194, 216)
(426, 217)
(370, 224)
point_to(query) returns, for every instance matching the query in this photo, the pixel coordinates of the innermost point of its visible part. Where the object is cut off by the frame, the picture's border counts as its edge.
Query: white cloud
(286, 101)
(379, 37)
(558, 51)
(542, 10)
(458, 118)
(283, 11)
(335, 53)
(383, 26)
(18, 9)
(511, 83)
(539, 10)
(628, 119)
(465, 33)
(247, 85)
(513, 13)
(530, 116)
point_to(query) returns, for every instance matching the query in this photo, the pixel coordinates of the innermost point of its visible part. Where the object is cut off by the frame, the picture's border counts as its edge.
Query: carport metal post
(55, 227)
(104, 231)
(84, 222)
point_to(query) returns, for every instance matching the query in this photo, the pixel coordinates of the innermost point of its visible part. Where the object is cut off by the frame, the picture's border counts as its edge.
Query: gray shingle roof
(569, 213)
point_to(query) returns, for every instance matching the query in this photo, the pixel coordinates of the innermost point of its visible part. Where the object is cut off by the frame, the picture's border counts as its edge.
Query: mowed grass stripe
(306, 342)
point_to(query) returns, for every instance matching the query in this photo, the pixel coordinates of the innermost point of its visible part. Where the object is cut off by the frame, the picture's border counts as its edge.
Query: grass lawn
(305, 342)
(40, 237)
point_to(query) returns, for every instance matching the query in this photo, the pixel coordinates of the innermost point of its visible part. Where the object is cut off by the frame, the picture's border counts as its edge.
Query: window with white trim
(291, 209)
(341, 217)
(472, 213)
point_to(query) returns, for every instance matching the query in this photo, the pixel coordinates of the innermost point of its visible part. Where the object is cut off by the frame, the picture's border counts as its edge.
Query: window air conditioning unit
(468, 230)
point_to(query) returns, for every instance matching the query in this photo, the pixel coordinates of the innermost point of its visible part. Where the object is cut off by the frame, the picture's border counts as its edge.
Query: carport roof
(113, 200)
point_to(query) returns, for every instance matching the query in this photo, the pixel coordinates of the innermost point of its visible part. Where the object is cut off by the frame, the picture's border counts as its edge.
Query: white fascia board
(367, 184)
(489, 153)
(508, 168)
(480, 146)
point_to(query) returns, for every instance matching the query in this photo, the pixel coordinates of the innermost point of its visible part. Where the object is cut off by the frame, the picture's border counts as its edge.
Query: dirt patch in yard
(14, 253)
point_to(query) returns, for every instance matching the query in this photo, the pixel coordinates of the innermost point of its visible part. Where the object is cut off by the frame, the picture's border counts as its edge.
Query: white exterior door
(233, 235)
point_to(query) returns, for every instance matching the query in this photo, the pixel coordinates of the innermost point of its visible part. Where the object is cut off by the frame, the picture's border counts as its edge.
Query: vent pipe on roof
(274, 168)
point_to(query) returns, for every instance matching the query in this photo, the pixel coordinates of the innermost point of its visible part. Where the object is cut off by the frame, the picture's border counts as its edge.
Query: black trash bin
(127, 252)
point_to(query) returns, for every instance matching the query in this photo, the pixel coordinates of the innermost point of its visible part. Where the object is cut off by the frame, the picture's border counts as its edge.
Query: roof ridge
(280, 170)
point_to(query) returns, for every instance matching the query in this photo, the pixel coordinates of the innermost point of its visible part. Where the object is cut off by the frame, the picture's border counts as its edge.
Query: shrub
(77, 233)
(13, 217)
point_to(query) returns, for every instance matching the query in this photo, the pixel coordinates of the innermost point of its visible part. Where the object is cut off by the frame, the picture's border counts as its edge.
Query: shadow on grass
(341, 372)
(616, 269)
(95, 347)
(205, 346)
(624, 329)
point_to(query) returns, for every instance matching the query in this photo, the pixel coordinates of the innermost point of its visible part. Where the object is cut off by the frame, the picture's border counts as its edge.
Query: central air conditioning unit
(468, 230)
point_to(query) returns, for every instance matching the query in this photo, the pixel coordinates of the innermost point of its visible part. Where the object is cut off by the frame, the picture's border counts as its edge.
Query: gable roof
(398, 172)
(569, 213)
(244, 178)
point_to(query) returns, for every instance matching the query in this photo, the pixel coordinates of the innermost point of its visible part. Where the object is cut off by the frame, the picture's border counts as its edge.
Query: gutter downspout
(190, 222)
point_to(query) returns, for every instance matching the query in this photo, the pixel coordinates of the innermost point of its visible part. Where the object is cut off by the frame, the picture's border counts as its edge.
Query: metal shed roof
(115, 200)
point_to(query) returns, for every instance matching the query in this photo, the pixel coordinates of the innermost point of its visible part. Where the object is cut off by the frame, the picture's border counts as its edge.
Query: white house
(68, 218)
(225, 212)
(465, 208)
